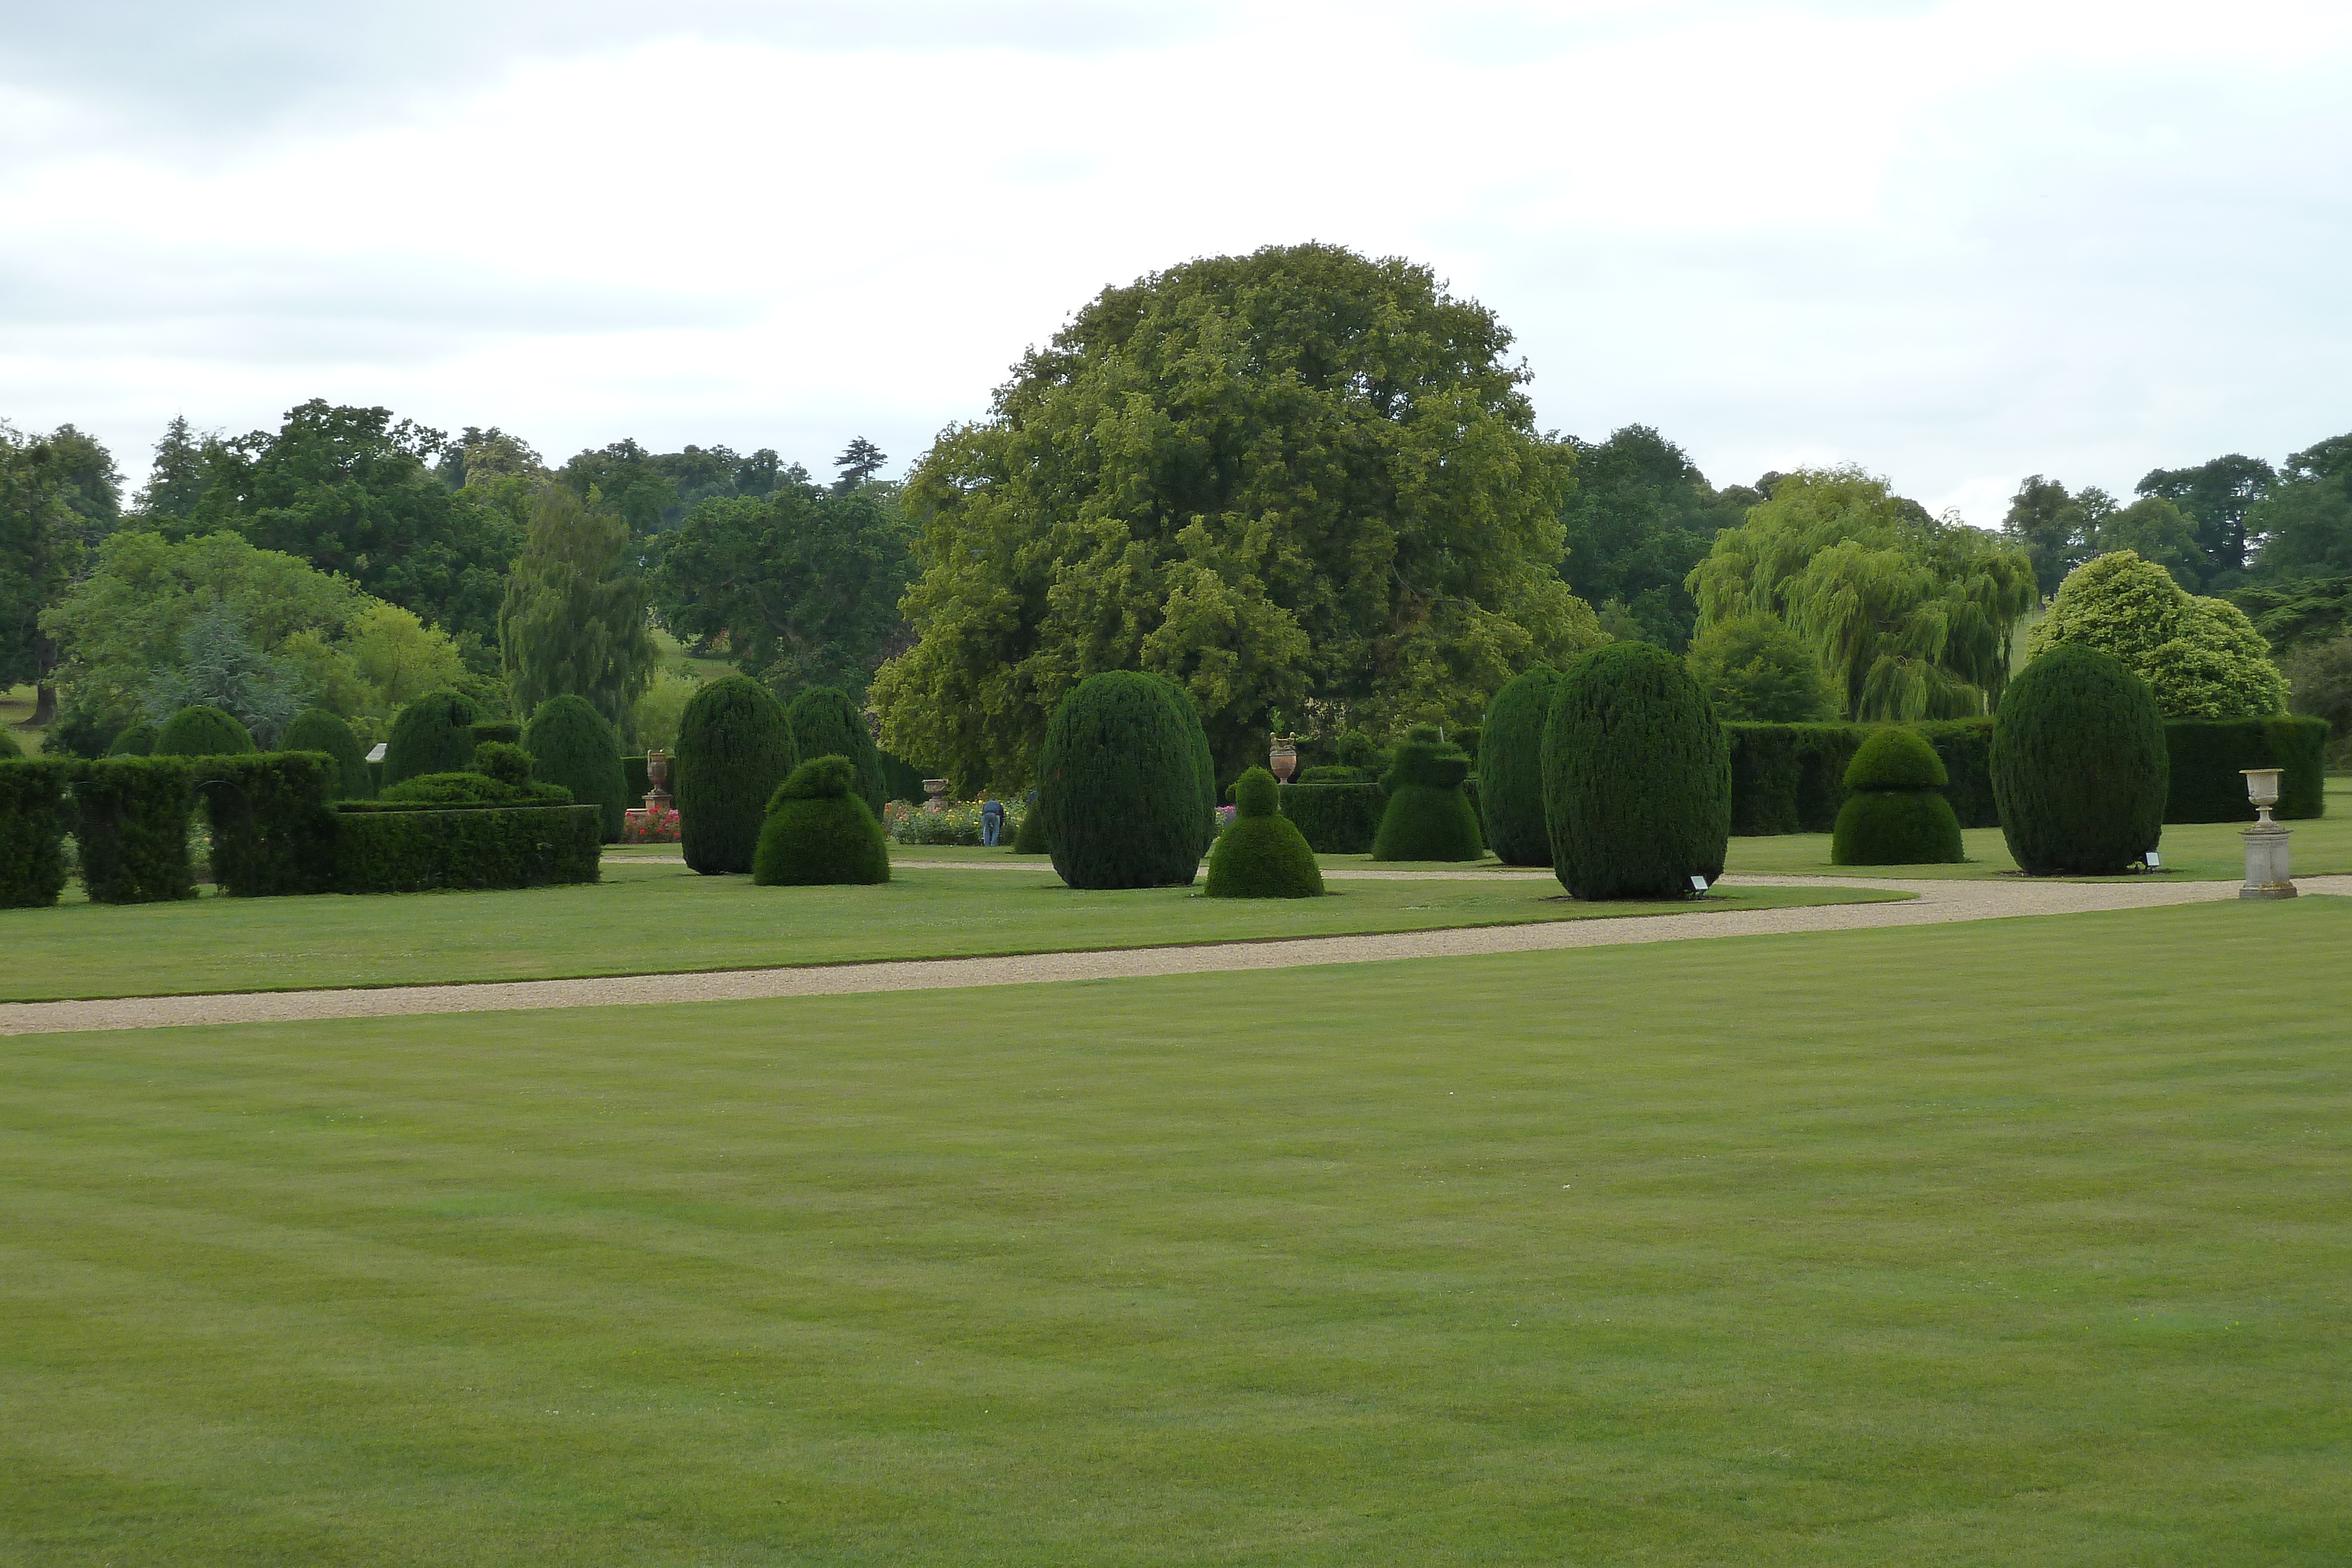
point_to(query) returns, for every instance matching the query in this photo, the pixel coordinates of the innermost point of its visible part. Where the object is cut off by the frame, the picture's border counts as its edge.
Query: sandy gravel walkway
(1938, 903)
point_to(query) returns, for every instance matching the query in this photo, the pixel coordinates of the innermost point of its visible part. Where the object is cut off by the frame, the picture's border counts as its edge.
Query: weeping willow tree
(1911, 617)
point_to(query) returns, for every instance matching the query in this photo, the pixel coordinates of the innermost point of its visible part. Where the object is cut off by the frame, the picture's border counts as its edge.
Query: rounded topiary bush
(1120, 786)
(316, 729)
(1895, 816)
(1262, 854)
(434, 734)
(1428, 817)
(734, 746)
(2079, 766)
(503, 760)
(1029, 838)
(1637, 776)
(139, 740)
(572, 745)
(202, 731)
(819, 831)
(826, 723)
(1510, 769)
(1204, 761)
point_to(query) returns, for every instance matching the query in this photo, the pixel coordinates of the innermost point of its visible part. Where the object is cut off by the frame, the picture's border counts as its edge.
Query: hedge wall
(273, 825)
(2208, 754)
(515, 846)
(33, 832)
(131, 824)
(1336, 818)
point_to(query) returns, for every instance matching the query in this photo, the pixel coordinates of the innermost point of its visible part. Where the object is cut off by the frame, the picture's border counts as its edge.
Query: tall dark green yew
(1510, 769)
(734, 747)
(434, 734)
(1120, 791)
(826, 723)
(572, 745)
(2079, 766)
(32, 831)
(316, 729)
(1637, 776)
(1204, 761)
(203, 731)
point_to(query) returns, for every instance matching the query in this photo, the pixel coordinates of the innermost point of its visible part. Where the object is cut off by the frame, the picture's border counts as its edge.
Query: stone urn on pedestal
(657, 780)
(937, 792)
(1282, 758)
(2266, 858)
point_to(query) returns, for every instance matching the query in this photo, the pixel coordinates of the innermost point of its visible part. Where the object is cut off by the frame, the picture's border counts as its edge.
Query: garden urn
(936, 789)
(657, 780)
(2267, 871)
(1282, 759)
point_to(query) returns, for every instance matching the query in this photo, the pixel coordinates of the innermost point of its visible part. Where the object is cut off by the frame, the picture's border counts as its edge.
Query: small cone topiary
(1262, 854)
(572, 745)
(1428, 817)
(819, 832)
(2079, 765)
(734, 746)
(826, 723)
(1895, 815)
(1119, 785)
(316, 729)
(1637, 776)
(1510, 769)
(434, 734)
(202, 732)
(139, 740)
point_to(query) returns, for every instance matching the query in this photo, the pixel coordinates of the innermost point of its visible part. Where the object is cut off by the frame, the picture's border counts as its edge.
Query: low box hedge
(32, 831)
(395, 851)
(131, 824)
(2209, 755)
(1336, 818)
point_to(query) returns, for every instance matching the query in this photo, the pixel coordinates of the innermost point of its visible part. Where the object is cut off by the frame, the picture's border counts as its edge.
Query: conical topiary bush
(1120, 786)
(1637, 776)
(1895, 815)
(819, 832)
(317, 729)
(1428, 817)
(734, 747)
(1262, 854)
(1510, 769)
(826, 723)
(2079, 765)
(573, 745)
(434, 734)
(202, 731)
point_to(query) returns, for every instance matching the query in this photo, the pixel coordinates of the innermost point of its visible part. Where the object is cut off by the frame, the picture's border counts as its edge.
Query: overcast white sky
(1955, 242)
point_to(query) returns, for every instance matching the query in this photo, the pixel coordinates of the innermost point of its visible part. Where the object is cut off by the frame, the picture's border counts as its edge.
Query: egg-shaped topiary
(1510, 769)
(1204, 762)
(1895, 816)
(434, 734)
(734, 746)
(1262, 854)
(1428, 817)
(1119, 785)
(139, 740)
(202, 731)
(317, 729)
(820, 832)
(1637, 776)
(826, 723)
(2079, 764)
(573, 745)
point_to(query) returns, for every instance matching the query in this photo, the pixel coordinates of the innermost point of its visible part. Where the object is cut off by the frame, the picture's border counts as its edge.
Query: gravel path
(1938, 903)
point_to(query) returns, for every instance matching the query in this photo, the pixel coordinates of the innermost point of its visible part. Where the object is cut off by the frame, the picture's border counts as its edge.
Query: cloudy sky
(1955, 242)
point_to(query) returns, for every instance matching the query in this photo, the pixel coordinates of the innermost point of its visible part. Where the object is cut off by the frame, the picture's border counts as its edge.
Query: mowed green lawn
(649, 918)
(2018, 1243)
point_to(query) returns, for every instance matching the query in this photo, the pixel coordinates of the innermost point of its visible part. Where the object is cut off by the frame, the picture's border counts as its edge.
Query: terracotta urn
(1282, 759)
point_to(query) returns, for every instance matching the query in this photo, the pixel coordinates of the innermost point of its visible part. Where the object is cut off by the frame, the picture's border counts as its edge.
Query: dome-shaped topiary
(1428, 817)
(202, 731)
(1120, 786)
(508, 763)
(1029, 838)
(1510, 769)
(573, 745)
(826, 723)
(1637, 776)
(1896, 817)
(434, 734)
(1262, 854)
(819, 832)
(316, 729)
(2079, 766)
(139, 740)
(734, 746)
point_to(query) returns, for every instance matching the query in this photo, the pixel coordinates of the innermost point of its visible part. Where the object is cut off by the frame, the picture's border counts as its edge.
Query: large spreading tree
(573, 622)
(1641, 516)
(1304, 484)
(59, 495)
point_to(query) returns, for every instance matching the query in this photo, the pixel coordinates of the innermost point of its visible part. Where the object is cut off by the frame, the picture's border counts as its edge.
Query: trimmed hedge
(442, 791)
(826, 723)
(1791, 777)
(498, 731)
(32, 831)
(273, 825)
(734, 746)
(131, 826)
(202, 731)
(139, 740)
(1428, 817)
(1120, 786)
(820, 832)
(1510, 768)
(379, 851)
(1637, 776)
(1895, 816)
(572, 745)
(1335, 818)
(318, 730)
(2079, 764)
(434, 734)
(2206, 757)
(1261, 854)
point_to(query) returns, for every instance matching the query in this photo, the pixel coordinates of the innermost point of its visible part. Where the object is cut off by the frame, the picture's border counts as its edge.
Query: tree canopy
(2202, 656)
(2216, 497)
(1640, 516)
(1295, 481)
(573, 622)
(653, 491)
(1911, 616)
(59, 495)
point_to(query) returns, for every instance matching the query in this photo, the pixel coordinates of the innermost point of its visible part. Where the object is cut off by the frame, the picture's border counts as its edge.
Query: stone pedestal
(2266, 862)
(937, 792)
